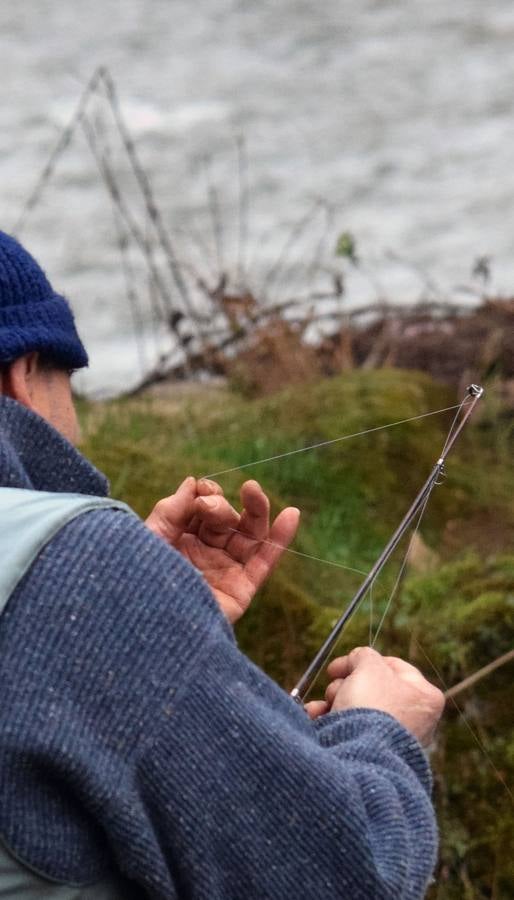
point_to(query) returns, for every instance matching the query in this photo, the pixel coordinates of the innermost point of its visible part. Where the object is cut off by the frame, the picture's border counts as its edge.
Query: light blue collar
(29, 520)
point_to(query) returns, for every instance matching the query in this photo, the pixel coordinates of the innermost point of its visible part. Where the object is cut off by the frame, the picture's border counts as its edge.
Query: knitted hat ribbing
(32, 315)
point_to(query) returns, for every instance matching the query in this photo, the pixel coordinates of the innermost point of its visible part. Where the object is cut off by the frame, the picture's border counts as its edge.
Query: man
(141, 754)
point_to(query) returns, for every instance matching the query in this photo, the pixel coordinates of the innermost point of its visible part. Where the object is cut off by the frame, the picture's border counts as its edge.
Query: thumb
(343, 666)
(171, 515)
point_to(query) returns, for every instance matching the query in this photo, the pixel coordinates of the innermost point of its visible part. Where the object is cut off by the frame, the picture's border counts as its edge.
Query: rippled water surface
(398, 113)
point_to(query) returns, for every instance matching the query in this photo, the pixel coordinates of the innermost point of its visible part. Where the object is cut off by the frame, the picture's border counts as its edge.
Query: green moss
(455, 621)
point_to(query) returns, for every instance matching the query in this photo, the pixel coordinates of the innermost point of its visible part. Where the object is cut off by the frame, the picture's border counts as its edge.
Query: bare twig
(215, 215)
(63, 141)
(123, 246)
(148, 195)
(242, 209)
(294, 236)
(113, 189)
(480, 674)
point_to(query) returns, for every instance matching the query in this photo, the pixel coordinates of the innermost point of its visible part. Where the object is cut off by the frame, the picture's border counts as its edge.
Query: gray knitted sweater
(136, 738)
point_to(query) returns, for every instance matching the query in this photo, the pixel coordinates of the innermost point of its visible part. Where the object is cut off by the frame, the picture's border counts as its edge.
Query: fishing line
(416, 529)
(453, 425)
(402, 568)
(344, 437)
(327, 562)
(464, 719)
(372, 585)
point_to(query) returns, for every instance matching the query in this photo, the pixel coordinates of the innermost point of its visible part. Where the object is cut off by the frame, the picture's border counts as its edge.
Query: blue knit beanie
(32, 315)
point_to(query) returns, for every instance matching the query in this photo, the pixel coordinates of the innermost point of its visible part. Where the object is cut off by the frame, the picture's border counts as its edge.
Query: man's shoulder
(108, 611)
(98, 640)
(113, 552)
(105, 572)
(103, 536)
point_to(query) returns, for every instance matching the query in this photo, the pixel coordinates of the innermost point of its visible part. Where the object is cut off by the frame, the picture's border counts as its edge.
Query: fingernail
(210, 502)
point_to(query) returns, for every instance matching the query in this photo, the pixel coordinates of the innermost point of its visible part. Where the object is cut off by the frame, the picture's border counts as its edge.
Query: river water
(398, 113)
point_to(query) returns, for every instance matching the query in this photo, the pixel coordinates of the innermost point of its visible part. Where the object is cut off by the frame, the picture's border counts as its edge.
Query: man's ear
(19, 379)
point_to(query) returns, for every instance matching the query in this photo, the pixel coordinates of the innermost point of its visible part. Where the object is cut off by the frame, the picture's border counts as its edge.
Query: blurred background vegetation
(454, 610)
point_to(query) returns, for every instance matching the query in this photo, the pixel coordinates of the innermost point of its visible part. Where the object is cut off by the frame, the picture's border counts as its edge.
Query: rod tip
(475, 390)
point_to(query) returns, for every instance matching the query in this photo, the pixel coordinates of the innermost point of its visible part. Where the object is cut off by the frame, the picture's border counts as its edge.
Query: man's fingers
(216, 520)
(207, 487)
(316, 708)
(216, 512)
(172, 515)
(407, 671)
(253, 525)
(271, 549)
(339, 668)
(285, 526)
(345, 665)
(332, 690)
(255, 515)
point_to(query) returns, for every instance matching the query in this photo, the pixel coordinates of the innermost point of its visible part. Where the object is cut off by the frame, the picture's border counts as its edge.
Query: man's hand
(364, 678)
(232, 550)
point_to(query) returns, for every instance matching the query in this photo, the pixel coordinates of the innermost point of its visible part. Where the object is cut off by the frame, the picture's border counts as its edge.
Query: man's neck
(34, 455)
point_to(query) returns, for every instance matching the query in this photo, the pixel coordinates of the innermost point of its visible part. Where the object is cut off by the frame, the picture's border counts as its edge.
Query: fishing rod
(303, 686)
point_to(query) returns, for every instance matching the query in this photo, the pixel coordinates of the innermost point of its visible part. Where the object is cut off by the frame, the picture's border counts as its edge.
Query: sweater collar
(35, 456)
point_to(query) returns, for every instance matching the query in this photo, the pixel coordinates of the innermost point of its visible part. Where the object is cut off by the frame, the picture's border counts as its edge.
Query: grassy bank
(456, 603)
